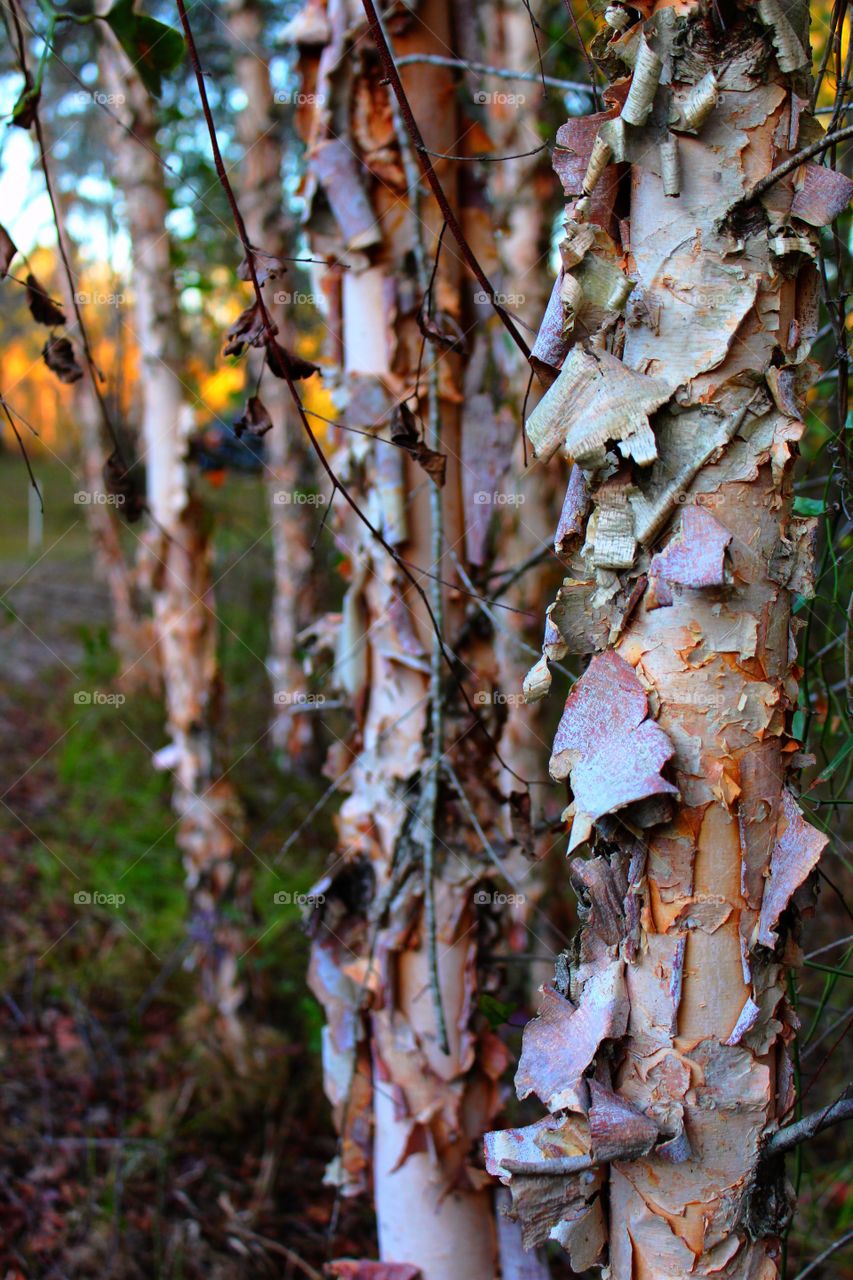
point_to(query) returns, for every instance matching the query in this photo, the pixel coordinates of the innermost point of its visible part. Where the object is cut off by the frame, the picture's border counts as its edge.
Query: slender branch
(500, 73)
(794, 162)
(822, 1257)
(801, 1130)
(393, 77)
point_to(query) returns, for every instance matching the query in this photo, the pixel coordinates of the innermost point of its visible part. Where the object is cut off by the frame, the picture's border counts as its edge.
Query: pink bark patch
(604, 739)
(696, 555)
(796, 853)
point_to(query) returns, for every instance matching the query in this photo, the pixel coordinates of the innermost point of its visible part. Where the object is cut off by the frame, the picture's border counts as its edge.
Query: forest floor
(130, 1146)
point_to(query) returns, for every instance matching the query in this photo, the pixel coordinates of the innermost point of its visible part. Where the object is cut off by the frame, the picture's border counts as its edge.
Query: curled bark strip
(796, 853)
(561, 1041)
(606, 744)
(596, 399)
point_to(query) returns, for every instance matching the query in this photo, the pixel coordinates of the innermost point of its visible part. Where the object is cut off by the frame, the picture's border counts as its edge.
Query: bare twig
(500, 73)
(822, 1257)
(793, 1134)
(788, 166)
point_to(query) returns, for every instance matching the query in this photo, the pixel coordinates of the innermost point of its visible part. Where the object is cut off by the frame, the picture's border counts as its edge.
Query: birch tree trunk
(677, 355)
(132, 634)
(289, 468)
(178, 557)
(411, 1068)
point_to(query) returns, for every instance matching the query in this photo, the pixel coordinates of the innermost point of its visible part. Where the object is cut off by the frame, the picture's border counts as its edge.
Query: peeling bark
(663, 1051)
(288, 469)
(176, 562)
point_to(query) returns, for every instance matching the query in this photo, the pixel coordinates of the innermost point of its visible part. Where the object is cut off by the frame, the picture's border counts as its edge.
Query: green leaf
(494, 1010)
(153, 48)
(798, 725)
(808, 507)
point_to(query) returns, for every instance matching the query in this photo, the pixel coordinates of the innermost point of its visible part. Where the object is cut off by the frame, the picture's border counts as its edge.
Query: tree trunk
(411, 1067)
(662, 1051)
(178, 558)
(132, 635)
(288, 466)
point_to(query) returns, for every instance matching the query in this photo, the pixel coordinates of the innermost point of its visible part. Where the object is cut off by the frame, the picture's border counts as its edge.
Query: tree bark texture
(675, 352)
(288, 466)
(178, 557)
(397, 938)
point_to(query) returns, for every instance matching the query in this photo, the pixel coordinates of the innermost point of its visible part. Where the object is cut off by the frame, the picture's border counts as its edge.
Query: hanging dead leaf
(254, 420)
(8, 249)
(246, 331)
(404, 434)
(41, 305)
(58, 355)
(284, 363)
(267, 267)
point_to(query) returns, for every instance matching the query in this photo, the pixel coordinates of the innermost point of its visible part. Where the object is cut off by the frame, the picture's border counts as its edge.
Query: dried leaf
(42, 307)
(404, 434)
(246, 331)
(267, 267)
(8, 250)
(58, 355)
(254, 420)
(284, 363)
